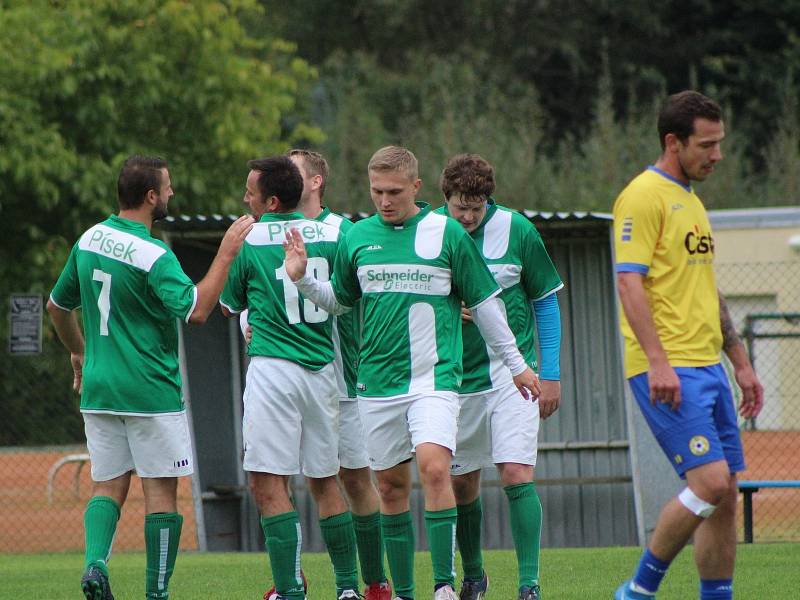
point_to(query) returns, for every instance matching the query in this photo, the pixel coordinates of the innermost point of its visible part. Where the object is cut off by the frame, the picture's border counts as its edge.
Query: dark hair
(139, 175)
(469, 175)
(314, 163)
(279, 177)
(679, 112)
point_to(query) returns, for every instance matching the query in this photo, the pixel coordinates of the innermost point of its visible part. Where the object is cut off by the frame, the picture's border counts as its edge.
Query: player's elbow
(53, 309)
(198, 316)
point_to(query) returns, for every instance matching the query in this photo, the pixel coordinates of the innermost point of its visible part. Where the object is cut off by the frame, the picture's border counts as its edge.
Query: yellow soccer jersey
(661, 230)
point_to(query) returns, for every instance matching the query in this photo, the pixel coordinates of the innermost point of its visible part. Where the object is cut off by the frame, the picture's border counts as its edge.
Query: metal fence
(45, 478)
(42, 495)
(764, 301)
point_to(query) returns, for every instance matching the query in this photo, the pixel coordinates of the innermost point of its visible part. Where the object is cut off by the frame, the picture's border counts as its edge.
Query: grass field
(764, 571)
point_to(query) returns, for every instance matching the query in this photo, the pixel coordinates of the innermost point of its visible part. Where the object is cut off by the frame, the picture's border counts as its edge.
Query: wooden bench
(747, 489)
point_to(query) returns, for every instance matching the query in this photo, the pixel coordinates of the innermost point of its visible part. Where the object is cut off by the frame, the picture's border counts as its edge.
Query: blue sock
(650, 572)
(716, 589)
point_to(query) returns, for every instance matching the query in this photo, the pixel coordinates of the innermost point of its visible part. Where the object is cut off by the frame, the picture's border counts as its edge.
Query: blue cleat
(624, 592)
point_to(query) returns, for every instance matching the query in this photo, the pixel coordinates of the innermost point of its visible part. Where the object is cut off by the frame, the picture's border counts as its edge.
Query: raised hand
(296, 257)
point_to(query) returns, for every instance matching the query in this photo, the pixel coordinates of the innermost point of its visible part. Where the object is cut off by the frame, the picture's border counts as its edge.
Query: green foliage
(83, 84)
(86, 83)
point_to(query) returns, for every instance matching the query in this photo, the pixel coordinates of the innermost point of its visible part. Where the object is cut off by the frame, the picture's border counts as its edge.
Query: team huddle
(409, 334)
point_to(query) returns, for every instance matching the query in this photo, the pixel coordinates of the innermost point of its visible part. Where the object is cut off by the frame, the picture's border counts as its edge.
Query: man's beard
(159, 211)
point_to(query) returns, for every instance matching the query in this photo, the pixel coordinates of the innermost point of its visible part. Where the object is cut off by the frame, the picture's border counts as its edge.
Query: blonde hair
(314, 163)
(395, 158)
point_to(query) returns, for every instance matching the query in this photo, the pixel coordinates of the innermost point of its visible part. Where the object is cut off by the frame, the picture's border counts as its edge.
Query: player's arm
(495, 331)
(548, 332)
(745, 375)
(211, 286)
(664, 383)
(541, 283)
(320, 293)
(69, 332)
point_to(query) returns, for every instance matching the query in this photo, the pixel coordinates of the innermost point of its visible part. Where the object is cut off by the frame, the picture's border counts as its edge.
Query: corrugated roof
(751, 218)
(215, 222)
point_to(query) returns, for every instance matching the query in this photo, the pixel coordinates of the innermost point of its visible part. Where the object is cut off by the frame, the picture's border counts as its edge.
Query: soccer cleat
(95, 585)
(472, 589)
(349, 595)
(624, 592)
(378, 591)
(446, 592)
(530, 593)
(272, 594)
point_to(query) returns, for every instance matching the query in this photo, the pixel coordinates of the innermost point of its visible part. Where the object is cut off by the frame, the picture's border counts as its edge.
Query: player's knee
(392, 491)
(515, 473)
(697, 505)
(435, 475)
(466, 487)
(356, 482)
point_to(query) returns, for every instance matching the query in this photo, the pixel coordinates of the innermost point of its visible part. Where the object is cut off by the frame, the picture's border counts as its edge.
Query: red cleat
(378, 591)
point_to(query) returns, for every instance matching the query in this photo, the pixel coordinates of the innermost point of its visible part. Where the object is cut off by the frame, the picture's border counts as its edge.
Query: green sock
(100, 525)
(340, 540)
(468, 534)
(283, 542)
(398, 538)
(441, 528)
(162, 534)
(370, 547)
(526, 529)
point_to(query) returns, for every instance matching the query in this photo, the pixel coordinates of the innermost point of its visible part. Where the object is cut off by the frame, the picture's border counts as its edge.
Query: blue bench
(748, 488)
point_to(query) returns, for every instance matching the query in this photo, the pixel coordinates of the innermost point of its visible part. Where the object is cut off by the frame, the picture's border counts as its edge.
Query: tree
(83, 84)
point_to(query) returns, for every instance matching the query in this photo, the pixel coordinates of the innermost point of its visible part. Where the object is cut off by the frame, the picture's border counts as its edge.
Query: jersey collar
(666, 175)
(323, 215)
(293, 216)
(127, 224)
(424, 209)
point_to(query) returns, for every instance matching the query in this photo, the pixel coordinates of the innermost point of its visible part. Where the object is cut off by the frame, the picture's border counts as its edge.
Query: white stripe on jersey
(405, 279)
(430, 235)
(422, 337)
(121, 246)
(506, 276)
(273, 233)
(496, 235)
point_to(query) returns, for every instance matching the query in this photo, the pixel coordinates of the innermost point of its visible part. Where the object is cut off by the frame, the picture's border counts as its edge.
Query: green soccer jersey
(516, 256)
(285, 324)
(131, 288)
(411, 279)
(346, 327)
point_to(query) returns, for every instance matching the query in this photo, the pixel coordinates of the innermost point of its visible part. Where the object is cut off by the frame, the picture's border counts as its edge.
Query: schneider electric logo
(413, 279)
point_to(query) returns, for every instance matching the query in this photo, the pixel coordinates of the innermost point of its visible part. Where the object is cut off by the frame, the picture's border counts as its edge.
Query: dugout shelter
(599, 484)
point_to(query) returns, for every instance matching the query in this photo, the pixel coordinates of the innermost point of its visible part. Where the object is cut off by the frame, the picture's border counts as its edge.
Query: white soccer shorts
(496, 426)
(352, 440)
(291, 419)
(153, 446)
(396, 426)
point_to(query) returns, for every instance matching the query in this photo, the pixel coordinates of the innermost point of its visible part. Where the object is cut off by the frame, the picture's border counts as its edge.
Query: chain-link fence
(45, 478)
(764, 301)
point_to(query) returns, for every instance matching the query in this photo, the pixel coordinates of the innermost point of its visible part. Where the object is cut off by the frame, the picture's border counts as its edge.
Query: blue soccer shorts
(704, 428)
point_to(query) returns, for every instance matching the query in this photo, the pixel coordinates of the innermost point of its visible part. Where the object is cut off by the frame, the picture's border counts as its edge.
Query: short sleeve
(345, 278)
(67, 292)
(471, 277)
(637, 226)
(172, 286)
(234, 296)
(539, 275)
